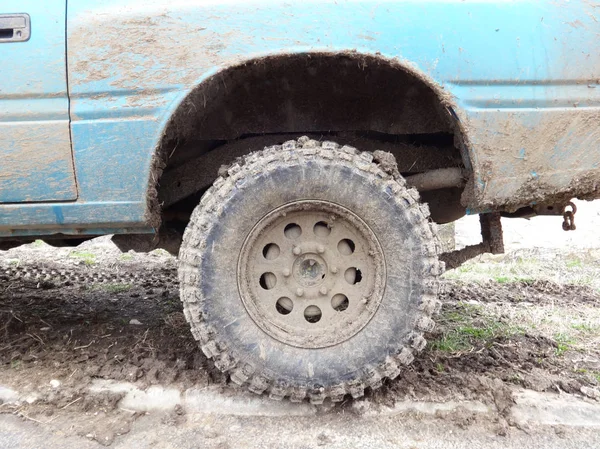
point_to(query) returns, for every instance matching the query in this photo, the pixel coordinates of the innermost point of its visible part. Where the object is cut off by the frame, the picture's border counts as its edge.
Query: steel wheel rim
(311, 274)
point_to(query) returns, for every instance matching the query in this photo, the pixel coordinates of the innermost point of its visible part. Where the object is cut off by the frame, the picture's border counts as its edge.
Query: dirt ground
(94, 350)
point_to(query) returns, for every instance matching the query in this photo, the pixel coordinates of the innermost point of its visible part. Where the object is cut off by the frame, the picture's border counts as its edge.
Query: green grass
(587, 328)
(467, 326)
(594, 374)
(579, 268)
(449, 343)
(87, 257)
(110, 288)
(502, 273)
(159, 252)
(126, 256)
(464, 338)
(515, 379)
(116, 288)
(563, 343)
(511, 278)
(502, 279)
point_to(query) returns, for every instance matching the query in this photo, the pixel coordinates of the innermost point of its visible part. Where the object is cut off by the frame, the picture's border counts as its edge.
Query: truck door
(35, 147)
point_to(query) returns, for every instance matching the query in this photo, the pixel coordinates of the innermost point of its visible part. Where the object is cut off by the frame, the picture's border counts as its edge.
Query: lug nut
(299, 292)
(286, 272)
(320, 249)
(323, 290)
(296, 250)
(334, 270)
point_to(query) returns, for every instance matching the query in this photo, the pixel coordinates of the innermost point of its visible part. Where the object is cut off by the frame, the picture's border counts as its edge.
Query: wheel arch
(211, 110)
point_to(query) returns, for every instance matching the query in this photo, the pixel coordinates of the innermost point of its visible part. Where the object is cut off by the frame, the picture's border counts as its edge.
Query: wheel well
(351, 98)
(310, 93)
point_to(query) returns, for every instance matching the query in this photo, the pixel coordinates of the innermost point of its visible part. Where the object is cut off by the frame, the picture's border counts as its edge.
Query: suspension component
(569, 217)
(492, 242)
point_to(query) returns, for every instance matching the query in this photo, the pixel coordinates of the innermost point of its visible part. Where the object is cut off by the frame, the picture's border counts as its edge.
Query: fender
(522, 97)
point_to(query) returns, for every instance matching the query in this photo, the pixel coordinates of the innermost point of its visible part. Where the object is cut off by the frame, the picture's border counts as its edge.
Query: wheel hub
(309, 270)
(311, 274)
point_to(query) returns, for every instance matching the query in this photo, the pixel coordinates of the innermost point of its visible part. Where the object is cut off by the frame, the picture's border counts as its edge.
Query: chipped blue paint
(60, 218)
(511, 69)
(470, 211)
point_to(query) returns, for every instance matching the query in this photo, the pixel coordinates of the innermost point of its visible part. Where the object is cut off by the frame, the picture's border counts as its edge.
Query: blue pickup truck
(297, 157)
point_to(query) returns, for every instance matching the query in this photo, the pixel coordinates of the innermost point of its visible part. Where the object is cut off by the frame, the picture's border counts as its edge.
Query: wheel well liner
(289, 93)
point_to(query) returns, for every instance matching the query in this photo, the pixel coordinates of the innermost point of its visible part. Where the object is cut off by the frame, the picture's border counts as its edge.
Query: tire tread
(208, 211)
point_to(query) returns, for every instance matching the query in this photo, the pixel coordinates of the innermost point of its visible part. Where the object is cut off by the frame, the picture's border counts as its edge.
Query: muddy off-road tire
(309, 271)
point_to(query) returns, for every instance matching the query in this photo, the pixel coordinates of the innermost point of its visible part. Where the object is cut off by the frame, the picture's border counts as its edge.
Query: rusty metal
(548, 209)
(492, 242)
(569, 217)
(491, 232)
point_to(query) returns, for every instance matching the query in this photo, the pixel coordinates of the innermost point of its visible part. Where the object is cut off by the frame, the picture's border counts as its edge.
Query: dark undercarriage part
(492, 242)
(5, 245)
(537, 209)
(56, 240)
(443, 178)
(567, 210)
(432, 161)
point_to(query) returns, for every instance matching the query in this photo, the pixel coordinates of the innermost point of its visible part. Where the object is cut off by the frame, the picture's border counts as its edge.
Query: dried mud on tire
(378, 334)
(77, 329)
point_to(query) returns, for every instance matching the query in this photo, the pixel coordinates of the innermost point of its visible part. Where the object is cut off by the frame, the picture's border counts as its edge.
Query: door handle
(15, 27)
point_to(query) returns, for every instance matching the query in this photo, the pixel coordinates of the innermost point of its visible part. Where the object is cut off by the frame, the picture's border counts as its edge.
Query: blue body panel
(35, 147)
(522, 76)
